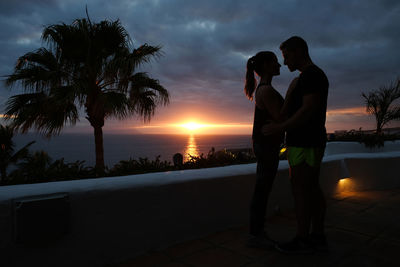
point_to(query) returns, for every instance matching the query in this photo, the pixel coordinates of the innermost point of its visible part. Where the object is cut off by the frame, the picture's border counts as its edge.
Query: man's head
(295, 52)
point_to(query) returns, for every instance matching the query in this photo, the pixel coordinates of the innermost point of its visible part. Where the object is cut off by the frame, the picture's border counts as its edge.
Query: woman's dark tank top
(262, 117)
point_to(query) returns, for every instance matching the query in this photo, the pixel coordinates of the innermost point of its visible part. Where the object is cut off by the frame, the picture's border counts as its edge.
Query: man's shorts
(312, 156)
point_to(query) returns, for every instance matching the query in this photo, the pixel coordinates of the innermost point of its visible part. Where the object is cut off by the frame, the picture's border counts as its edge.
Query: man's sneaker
(296, 246)
(318, 242)
(260, 241)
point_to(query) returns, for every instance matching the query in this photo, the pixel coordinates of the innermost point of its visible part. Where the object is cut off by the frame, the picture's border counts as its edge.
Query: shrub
(143, 165)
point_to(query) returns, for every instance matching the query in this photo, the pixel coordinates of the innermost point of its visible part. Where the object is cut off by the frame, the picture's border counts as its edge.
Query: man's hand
(271, 128)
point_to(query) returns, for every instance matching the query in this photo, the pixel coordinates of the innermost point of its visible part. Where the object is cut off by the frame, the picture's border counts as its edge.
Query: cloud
(206, 43)
(356, 111)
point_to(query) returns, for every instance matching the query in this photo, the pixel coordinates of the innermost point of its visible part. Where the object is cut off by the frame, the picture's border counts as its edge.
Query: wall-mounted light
(345, 182)
(344, 171)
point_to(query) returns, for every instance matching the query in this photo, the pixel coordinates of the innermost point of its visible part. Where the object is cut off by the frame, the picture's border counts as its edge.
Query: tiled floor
(363, 229)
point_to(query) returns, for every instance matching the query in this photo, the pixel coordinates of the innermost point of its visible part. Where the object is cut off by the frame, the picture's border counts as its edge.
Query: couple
(302, 116)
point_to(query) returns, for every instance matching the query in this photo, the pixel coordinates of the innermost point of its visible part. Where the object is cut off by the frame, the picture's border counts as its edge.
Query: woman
(268, 105)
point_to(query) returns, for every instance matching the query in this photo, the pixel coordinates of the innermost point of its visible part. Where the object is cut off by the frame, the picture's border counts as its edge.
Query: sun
(192, 126)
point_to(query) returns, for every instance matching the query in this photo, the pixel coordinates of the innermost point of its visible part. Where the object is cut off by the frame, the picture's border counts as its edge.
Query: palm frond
(37, 71)
(21, 153)
(144, 54)
(392, 114)
(145, 94)
(37, 110)
(141, 81)
(117, 105)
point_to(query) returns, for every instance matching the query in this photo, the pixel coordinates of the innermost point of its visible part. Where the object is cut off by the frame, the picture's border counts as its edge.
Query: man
(305, 107)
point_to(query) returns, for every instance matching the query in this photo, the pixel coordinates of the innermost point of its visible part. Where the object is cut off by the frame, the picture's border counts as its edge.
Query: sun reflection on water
(191, 148)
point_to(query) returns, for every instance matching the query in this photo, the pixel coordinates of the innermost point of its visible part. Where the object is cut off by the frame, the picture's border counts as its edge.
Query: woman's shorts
(312, 156)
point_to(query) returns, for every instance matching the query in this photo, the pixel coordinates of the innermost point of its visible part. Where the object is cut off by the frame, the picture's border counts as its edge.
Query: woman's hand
(271, 128)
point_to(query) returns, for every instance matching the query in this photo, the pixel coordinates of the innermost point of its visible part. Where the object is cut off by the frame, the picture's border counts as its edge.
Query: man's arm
(286, 104)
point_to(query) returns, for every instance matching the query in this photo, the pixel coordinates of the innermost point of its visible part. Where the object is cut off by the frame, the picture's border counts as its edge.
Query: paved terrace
(363, 229)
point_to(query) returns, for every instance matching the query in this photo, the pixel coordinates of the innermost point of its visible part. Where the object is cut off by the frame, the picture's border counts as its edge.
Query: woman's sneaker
(260, 241)
(296, 246)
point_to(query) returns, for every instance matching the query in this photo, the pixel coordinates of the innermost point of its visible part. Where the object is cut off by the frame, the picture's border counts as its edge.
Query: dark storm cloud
(206, 43)
(23, 6)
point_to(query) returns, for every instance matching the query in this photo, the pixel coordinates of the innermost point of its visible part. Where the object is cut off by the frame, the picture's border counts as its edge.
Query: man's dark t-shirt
(312, 133)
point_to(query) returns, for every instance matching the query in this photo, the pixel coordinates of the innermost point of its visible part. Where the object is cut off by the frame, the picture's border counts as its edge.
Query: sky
(206, 44)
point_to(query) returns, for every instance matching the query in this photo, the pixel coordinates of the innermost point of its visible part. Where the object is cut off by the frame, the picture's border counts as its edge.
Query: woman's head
(263, 63)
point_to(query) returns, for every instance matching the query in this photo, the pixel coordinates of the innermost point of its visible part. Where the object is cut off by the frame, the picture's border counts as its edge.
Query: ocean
(73, 147)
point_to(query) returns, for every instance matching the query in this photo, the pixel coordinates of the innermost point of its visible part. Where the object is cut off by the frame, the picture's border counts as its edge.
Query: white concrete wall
(333, 148)
(116, 218)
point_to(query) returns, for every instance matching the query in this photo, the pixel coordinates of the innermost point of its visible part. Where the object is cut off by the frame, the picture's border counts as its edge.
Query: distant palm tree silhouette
(35, 167)
(8, 155)
(87, 65)
(380, 104)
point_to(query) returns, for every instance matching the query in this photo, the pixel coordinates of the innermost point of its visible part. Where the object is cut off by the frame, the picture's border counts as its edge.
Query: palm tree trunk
(98, 140)
(378, 128)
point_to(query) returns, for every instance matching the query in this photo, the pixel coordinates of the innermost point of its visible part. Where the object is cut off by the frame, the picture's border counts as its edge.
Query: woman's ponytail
(250, 84)
(256, 64)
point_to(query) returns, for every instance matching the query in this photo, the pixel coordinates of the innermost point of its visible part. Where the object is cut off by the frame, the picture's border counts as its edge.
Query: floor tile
(362, 229)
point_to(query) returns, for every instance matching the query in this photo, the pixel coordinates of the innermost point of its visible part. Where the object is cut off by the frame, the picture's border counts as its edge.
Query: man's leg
(318, 205)
(301, 188)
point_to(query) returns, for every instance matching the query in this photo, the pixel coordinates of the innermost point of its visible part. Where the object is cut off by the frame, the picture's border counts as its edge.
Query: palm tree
(380, 104)
(8, 155)
(87, 65)
(35, 168)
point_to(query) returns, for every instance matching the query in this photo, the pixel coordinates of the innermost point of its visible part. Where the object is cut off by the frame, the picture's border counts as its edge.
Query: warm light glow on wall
(345, 185)
(344, 181)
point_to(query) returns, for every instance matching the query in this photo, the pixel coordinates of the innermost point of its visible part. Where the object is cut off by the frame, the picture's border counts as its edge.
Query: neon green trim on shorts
(310, 155)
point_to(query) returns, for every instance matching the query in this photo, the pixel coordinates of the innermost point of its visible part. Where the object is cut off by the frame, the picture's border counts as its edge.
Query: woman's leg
(267, 165)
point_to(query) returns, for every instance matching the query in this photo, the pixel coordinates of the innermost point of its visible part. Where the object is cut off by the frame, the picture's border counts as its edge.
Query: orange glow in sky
(196, 127)
(337, 119)
(355, 111)
(192, 126)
